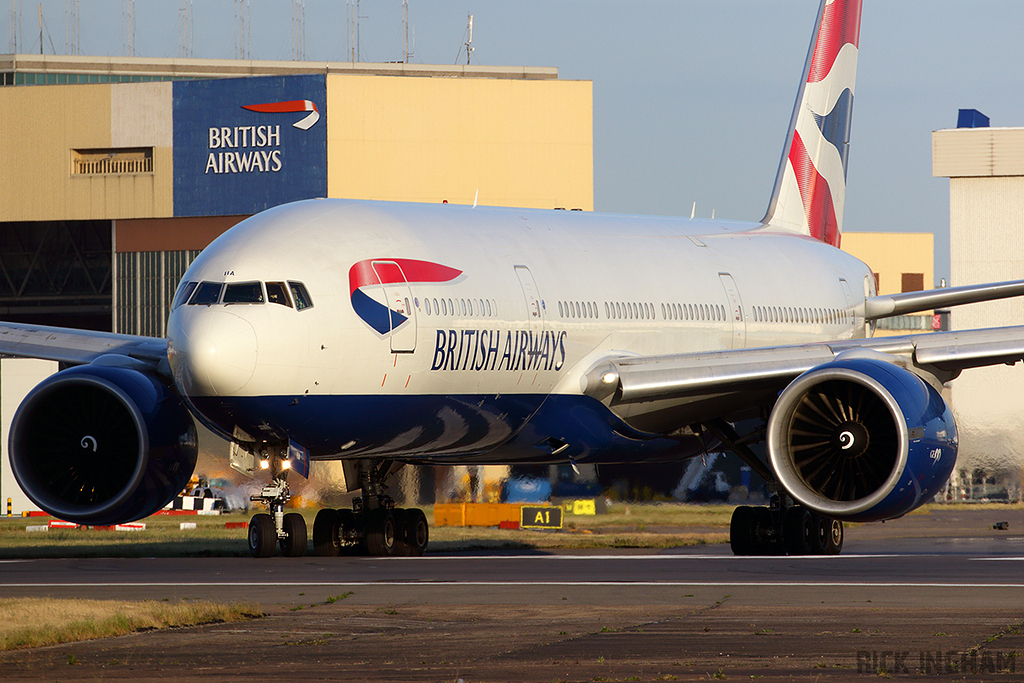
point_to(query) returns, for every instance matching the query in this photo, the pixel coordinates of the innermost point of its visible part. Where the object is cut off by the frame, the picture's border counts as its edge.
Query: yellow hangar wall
(45, 127)
(519, 142)
(522, 143)
(901, 262)
(898, 259)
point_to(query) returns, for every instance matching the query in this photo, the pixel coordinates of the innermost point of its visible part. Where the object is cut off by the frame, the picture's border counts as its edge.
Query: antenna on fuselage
(476, 197)
(693, 211)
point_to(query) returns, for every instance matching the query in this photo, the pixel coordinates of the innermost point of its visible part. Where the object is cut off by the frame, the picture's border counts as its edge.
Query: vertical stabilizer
(810, 188)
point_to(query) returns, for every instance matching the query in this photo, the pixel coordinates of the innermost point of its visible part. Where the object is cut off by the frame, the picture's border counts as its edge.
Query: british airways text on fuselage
(509, 350)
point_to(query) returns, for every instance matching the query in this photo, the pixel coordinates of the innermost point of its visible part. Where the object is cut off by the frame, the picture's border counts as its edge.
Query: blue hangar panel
(242, 145)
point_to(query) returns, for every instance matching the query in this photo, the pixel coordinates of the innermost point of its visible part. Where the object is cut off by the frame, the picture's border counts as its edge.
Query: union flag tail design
(810, 188)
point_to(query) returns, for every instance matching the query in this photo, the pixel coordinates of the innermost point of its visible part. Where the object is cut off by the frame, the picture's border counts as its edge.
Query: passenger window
(244, 293)
(300, 295)
(206, 294)
(277, 293)
(184, 292)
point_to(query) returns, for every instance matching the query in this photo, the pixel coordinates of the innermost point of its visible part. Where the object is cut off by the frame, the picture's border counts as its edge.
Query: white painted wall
(17, 377)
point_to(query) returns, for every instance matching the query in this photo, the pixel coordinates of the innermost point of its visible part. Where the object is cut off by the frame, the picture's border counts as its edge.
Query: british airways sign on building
(245, 145)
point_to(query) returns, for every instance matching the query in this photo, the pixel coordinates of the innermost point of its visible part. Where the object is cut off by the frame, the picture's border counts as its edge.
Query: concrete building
(986, 212)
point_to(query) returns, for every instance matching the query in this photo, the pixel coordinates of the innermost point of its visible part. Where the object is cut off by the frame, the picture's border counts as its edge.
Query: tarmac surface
(935, 596)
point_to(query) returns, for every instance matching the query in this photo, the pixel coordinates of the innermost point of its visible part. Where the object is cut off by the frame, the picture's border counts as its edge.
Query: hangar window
(300, 295)
(244, 293)
(113, 161)
(206, 294)
(277, 293)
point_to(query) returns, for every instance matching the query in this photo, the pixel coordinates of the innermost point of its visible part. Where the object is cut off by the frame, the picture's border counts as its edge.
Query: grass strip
(35, 622)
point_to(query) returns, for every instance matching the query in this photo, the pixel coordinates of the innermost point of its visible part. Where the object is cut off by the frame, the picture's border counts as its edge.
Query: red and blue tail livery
(379, 289)
(811, 188)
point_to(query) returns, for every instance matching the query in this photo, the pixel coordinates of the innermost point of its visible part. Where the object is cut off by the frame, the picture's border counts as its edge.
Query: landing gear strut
(374, 526)
(265, 530)
(782, 528)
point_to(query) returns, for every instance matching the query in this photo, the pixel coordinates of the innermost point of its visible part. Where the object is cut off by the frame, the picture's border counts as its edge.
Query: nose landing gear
(267, 531)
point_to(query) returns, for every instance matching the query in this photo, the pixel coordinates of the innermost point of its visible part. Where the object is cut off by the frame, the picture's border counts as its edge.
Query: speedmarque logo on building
(259, 145)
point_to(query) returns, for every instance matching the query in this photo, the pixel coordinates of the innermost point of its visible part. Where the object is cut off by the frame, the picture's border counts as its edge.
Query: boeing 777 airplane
(382, 334)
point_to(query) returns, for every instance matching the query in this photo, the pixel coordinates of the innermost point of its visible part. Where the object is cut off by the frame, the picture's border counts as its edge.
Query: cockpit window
(206, 294)
(300, 295)
(184, 292)
(277, 293)
(244, 293)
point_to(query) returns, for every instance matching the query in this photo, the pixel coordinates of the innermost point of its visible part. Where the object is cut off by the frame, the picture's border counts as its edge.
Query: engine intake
(861, 440)
(102, 445)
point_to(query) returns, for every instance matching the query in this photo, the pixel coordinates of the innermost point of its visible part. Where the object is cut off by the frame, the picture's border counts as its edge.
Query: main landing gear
(782, 528)
(374, 526)
(778, 530)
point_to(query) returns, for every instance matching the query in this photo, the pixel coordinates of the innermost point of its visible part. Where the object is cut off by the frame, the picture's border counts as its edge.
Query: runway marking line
(435, 584)
(740, 558)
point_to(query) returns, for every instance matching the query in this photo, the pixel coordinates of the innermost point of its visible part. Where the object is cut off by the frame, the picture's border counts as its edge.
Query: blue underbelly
(507, 429)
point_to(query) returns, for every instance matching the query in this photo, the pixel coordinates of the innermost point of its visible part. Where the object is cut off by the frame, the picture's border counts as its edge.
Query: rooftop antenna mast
(469, 40)
(128, 28)
(299, 30)
(353, 30)
(407, 53)
(242, 29)
(185, 31)
(72, 32)
(14, 26)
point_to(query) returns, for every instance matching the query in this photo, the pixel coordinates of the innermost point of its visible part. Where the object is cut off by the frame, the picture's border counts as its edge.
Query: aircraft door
(739, 323)
(534, 304)
(398, 299)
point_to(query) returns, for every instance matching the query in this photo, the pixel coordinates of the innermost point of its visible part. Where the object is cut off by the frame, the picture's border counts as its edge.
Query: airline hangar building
(117, 171)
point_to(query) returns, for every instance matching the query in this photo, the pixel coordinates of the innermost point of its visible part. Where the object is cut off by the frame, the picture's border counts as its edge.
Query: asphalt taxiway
(901, 600)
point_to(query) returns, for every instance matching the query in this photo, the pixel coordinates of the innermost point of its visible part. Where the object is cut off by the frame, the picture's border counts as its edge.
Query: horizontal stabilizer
(915, 302)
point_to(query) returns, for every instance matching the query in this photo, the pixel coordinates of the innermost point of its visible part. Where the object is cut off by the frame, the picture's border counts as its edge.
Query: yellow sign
(584, 507)
(540, 517)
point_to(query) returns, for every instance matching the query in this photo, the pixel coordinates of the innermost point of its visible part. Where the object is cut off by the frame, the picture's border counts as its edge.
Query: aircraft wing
(78, 346)
(651, 378)
(912, 302)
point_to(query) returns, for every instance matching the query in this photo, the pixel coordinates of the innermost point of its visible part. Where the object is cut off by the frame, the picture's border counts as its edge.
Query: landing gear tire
(830, 536)
(262, 535)
(326, 536)
(348, 532)
(381, 533)
(403, 548)
(800, 531)
(294, 542)
(741, 530)
(419, 532)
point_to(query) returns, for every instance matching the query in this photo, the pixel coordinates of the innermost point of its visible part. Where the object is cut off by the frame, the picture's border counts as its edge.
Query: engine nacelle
(861, 440)
(102, 445)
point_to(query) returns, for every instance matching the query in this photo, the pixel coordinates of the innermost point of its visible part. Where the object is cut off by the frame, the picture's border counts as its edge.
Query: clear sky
(691, 97)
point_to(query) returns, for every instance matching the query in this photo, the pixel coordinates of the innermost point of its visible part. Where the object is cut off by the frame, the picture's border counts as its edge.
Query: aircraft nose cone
(214, 353)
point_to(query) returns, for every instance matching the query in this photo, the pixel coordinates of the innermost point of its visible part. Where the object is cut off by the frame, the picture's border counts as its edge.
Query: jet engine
(102, 445)
(861, 440)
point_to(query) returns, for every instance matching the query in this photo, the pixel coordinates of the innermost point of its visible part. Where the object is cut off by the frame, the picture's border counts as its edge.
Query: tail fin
(810, 188)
